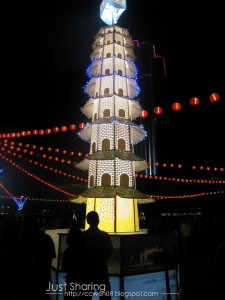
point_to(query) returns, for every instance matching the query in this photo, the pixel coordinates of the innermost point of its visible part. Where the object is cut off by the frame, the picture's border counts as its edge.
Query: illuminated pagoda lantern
(112, 108)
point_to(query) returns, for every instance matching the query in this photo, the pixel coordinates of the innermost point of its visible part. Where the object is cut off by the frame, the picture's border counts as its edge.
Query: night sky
(45, 48)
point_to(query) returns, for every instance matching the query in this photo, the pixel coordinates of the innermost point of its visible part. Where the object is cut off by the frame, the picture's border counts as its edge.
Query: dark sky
(45, 48)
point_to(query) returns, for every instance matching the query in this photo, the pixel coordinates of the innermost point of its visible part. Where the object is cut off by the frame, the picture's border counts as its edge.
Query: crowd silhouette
(26, 254)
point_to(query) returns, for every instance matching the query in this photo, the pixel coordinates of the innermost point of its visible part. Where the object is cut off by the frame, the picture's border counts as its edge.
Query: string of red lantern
(156, 197)
(80, 154)
(182, 180)
(46, 167)
(160, 178)
(176, 106)
(35, 132)
(11, 162)
(159, 196)
(6, 191)
(19, 145)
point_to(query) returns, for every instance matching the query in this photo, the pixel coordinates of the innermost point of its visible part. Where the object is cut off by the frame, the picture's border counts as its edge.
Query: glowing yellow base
(118, 215)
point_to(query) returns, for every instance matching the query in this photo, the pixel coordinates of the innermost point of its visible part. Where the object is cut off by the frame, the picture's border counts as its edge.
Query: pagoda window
(106, 91)
(124, 180)
(118, 42)
(119, 55)
(93, 147)
(109, 31)
(121, 144)
(105, 144)
(95, 116)
(106, 113)
(121, 113)
(120, 72)
(108, 42)
(108, 55)
(120, 92)
(91, 181)
(106, 180)
(107, 72)
(96, 95)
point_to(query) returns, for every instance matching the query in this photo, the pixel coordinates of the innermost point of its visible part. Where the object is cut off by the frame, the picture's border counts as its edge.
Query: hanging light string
(182, 180)
(72, 195)
(6, 191)
(37, 199)
(11, 162)
(159, 178)
(48, 131)
(44, 166)
(20, 147)
(31, 148)
(158, 197)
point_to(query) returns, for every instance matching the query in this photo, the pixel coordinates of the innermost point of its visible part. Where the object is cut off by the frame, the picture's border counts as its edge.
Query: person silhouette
(100, 249)
(74, 263)
(35, 249)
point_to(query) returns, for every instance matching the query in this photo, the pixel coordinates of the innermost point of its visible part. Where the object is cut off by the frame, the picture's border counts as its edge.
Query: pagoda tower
(112, 108)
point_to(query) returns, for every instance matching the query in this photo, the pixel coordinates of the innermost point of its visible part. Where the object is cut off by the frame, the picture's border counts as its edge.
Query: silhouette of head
(92, 218)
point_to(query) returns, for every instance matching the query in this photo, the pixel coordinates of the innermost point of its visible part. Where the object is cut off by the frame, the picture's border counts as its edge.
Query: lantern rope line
(35, 177)
(156, 197)
(46, 167)
(48, 131)
(80, 154)
(72, 195)
(161, 178)
(33, 147)
(37, 199)
(176, 106)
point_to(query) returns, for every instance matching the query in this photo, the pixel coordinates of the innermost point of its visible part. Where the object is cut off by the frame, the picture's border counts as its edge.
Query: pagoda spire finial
(111, 10)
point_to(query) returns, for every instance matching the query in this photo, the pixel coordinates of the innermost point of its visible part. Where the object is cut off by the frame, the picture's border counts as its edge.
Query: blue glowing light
(20, 202)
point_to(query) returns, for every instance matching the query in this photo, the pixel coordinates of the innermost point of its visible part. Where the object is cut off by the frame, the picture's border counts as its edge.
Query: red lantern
(176, 106)
(214, 97)
(144, 114)
(64, 129)
(81, 125)
(56, 129)
(35, 132)
(72, 127)
(47, 131)
(194, 101)
(158, 110)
